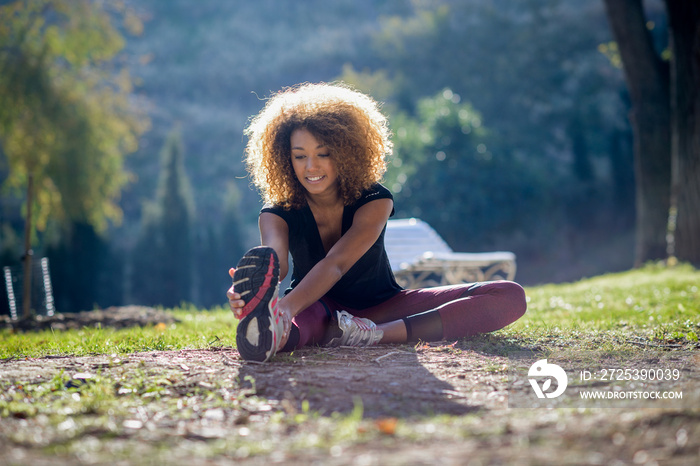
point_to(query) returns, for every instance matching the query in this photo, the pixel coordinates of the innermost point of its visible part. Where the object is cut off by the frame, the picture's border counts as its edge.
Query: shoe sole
(256, 279)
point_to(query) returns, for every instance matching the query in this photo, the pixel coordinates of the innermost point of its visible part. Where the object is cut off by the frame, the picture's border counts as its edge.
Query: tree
(219, 247)
(527, 66)
(684, 18)
(666, 124)
(647, 80)
(65, 117)
(445, 169)
(163, 255)
(85, 271)
(553, 104)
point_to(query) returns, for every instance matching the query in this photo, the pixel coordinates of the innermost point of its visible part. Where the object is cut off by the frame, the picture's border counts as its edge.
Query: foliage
(560, 178)
(219, 247)
(541, 69)
(210, 65)
(531, 70)
(178, 257)
(447, 173)
(86, 272)
(164, 253)
(65, 113)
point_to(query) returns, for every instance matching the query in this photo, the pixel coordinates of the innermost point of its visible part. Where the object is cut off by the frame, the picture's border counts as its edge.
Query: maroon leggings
(465, 310)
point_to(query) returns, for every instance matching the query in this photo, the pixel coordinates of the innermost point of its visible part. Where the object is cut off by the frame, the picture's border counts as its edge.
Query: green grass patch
(654, 296)
(655, 301)
(196, 329)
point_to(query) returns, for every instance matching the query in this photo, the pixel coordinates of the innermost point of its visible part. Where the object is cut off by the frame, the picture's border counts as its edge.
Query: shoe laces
(358, 331)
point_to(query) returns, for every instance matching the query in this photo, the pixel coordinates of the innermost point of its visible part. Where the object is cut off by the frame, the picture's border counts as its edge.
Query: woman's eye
(324, 155)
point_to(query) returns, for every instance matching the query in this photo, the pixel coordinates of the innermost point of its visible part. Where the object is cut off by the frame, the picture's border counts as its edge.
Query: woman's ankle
(394, 332)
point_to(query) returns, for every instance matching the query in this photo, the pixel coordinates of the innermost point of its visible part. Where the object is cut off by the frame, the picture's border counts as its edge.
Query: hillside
(205, 66)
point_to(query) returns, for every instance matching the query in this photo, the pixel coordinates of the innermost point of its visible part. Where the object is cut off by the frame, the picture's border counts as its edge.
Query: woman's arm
(274, 233)
(367, 225)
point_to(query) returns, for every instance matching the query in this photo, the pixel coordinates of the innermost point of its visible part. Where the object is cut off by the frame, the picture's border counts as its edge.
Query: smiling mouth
(315, 178)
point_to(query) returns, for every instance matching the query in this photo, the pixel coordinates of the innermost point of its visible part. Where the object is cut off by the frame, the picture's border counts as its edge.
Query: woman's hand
(236, 304)
(234, 299)
(286, 317)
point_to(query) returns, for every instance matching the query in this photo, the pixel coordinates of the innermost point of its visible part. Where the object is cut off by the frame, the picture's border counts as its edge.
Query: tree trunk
(648, 83)
(684, 19)
(27, 290)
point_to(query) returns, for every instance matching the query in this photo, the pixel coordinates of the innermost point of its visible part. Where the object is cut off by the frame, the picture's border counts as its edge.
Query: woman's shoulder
(373, 193)
(278, 210)
(281, 211)
(272, 208)
(376, 191)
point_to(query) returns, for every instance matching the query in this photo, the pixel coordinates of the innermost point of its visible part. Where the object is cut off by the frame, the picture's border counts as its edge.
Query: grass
(645, 297)
(196, 329)
(657, 302)
(654, 304)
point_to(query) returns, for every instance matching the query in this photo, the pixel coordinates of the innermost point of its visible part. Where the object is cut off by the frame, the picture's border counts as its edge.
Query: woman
(317, 153)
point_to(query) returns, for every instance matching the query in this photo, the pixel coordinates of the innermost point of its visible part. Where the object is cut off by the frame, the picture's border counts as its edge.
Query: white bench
(420, 258)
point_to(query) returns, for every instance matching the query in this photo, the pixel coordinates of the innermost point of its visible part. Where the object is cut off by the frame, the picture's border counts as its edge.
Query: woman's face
(312, 164)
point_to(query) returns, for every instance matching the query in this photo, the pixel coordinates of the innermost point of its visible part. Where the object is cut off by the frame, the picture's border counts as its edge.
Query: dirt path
(444, 404)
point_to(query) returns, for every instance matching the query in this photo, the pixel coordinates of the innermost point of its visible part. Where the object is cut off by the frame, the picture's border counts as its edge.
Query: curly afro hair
(346, 121)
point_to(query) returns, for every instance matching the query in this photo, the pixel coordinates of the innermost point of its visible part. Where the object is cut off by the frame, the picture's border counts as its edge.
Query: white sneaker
(354, 331)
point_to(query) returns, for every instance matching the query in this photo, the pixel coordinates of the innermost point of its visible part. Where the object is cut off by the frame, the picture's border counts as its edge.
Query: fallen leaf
(387, 425)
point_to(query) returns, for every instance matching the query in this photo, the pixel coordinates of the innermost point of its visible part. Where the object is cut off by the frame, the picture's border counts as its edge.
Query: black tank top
(369, 282)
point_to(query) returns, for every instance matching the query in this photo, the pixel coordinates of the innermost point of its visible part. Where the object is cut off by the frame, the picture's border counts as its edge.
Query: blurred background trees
(511, 124)
(665, 91)
(555, 183)
(163, 255)
(684, 18)
(65, 118)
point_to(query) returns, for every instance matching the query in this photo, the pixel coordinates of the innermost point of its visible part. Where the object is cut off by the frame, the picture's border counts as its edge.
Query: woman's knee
(511, 296)
(516, 298)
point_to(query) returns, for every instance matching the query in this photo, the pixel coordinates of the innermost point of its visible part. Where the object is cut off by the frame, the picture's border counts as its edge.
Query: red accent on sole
(253, 303)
